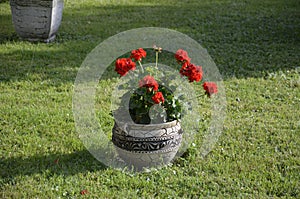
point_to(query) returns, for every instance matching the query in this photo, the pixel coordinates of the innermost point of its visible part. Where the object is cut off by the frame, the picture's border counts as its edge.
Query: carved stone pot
(37, 20)
(147, 146)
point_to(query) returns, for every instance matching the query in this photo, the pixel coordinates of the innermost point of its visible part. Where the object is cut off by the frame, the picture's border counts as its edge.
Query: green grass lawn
(256, 46)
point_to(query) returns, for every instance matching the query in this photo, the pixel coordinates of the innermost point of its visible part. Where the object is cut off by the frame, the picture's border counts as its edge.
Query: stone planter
(147, 146)
(37, 20)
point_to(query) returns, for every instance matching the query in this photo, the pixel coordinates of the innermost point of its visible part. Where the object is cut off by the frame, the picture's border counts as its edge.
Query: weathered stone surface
(35, 3)
(36, 20)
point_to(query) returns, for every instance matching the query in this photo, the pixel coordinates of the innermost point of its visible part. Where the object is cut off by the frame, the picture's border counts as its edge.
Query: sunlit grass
(255, 44)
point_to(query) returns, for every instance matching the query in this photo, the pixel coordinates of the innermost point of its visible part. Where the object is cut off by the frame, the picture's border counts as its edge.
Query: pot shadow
(53, 164)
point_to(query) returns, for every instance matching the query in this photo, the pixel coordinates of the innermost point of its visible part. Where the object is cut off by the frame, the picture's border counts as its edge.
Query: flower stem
(156, 58)
(141, 66)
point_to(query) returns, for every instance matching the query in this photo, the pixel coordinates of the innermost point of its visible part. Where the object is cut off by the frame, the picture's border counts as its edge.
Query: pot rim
(146, 126)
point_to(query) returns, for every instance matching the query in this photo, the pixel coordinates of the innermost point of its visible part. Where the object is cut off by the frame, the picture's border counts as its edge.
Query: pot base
(49, 40)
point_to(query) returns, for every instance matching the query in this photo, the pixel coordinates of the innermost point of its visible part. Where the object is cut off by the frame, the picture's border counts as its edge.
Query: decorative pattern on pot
(146, 146)
(37, 20)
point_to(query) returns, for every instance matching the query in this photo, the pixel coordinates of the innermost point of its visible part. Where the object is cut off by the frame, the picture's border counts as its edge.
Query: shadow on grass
(245, 39)
(53, 164)
(38, 65)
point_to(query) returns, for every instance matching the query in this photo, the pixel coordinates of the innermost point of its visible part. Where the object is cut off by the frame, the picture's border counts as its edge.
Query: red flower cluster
(210, 88)
(188, 69)
(182, 56)
(158, 97)
(138, 54)
(124, 65)
(149, 82)
(193, 72)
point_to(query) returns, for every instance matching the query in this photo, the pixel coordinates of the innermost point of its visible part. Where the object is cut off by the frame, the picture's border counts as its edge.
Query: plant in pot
(37, 20)
(147, 130)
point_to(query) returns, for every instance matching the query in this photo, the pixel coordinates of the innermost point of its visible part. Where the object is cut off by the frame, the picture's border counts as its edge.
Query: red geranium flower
(196, 74)
(210, 88)
(149, 82)
(138, 54)
(158, 97)
(193, 72)
(83, 192)
(56, 161)
(124, 65)
(182, 56)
